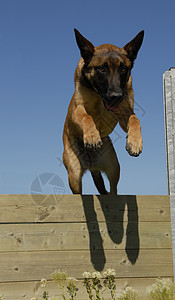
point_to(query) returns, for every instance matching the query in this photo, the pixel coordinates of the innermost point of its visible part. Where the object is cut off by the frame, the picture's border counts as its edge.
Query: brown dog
(103, 97)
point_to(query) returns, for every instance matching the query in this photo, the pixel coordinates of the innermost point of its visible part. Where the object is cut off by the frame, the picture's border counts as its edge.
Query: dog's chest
(105, 122)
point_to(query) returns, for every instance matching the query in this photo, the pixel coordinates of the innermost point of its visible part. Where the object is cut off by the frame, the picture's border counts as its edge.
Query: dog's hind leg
(75, 182)
(74, 170)
(99, 182)
(113, 175)
(111, 165)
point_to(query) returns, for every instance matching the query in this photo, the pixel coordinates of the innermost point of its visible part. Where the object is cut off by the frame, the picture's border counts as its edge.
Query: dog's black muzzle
(113, 99)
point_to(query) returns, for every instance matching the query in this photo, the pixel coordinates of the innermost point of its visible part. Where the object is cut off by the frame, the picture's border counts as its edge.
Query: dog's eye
(102, 69)
(123, 69)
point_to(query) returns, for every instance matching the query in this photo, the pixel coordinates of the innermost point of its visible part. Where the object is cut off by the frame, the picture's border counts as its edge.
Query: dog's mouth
(113, 104)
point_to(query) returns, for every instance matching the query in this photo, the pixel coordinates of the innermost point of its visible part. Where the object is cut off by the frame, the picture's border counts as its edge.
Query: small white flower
(72, 279)
(105, 274)
(43, 282)
(162, 289)
(127, 294)
(96, 275)
(109, 272)
(33, 298)
(87, 275)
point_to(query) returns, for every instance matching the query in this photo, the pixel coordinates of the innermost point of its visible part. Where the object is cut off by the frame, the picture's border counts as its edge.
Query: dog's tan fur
(88, 122)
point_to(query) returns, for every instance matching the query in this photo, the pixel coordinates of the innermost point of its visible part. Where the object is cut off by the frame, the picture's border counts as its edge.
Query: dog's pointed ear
(133, 46)
(86, 47)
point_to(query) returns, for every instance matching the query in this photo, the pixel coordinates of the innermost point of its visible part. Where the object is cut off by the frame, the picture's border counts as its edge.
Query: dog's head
(107, 68)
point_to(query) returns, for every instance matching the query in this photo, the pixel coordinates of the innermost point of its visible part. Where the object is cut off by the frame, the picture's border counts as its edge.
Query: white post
(169, 115)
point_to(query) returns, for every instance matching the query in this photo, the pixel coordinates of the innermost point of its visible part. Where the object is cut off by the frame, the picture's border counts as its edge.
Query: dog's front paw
(92, 140)
(134, 145)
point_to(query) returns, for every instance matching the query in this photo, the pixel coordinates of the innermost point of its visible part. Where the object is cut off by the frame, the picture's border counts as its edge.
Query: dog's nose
(115, 96)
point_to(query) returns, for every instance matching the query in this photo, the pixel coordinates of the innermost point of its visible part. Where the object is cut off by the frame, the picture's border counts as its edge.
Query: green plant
(44, 285)
(87, 284)
(109, 281)
(127, 294)
(162, 289)
(1, 296)
(71, 287)
(96, 284)
(60, 278)
(92, 283)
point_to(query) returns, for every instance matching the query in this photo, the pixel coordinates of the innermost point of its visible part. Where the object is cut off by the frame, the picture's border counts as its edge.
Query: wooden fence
(74, 233)
(169, 116)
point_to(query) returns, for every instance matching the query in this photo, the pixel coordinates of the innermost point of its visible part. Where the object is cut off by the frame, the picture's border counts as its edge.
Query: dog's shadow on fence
(113, 208)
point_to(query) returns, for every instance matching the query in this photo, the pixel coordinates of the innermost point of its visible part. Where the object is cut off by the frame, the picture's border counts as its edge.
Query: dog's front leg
(131, 125)
(134, 142)
(91, 135)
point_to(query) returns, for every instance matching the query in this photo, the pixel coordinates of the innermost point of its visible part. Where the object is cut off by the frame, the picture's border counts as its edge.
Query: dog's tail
(99, 182)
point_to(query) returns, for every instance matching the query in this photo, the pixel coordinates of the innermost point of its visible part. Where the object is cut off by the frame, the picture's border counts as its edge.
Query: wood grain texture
(62, 236)
(71, 208)
(38, 264)
(74, 233)
(169, 117)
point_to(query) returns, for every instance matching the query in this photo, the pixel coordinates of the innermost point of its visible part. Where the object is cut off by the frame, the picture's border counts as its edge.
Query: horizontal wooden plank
(25, 266)
(81, 236)
(27, 290)
(82, 208)
(75, 233)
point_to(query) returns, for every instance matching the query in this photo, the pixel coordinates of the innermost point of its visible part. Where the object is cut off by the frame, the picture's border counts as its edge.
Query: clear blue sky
(38, 57)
